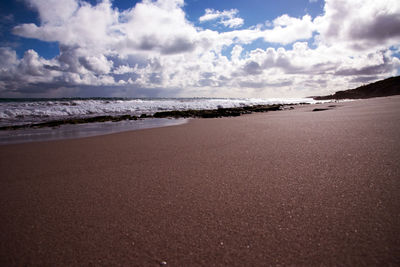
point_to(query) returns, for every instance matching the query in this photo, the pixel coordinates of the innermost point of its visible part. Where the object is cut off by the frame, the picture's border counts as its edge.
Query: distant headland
(387, 87)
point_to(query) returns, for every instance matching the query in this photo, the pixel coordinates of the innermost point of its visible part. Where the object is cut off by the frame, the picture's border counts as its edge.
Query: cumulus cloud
(59, 12)
(228, 18)
(288, 29)
(359, 24)
(8, 58)
(153, 49)
(16, 74)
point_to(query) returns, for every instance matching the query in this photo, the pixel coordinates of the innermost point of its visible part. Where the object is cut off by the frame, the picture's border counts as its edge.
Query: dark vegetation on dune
(387, 87)
(213, 113)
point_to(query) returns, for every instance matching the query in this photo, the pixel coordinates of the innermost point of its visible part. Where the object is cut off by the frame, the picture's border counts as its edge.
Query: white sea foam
(24, 111)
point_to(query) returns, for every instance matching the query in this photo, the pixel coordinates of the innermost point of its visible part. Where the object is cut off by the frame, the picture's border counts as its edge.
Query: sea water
(69, 131)
(30, 111)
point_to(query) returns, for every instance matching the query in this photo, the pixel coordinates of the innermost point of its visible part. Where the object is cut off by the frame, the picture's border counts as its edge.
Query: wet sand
(291, 187)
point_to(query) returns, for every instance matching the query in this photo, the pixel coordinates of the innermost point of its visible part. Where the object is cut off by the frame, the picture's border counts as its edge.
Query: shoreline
(76, 131)
(176, 114)
(53, 112)
(280, 188)
(103, 125)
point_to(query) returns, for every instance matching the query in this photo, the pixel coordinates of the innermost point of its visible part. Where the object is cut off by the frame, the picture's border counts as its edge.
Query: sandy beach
(291, 187)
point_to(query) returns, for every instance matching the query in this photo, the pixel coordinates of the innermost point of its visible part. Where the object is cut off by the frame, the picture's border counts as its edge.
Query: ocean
(15, 112)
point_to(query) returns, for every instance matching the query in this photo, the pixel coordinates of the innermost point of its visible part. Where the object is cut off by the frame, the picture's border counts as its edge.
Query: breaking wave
(25, 111)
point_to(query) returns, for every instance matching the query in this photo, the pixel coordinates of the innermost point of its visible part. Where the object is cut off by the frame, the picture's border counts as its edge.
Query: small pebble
(163, 263)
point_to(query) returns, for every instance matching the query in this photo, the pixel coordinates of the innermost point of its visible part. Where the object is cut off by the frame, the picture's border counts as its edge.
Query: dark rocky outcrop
(213, 113)
(320, 109)
(216, 113)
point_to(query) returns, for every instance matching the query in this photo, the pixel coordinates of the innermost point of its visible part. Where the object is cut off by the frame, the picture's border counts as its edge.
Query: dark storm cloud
(32, 89)
(282, 62)
(367, 71)
(252, 68)
(69, 58)
(382, 27)
(174, 46)
(265, 84)
(206, 82)
(178, 45)
(364, 79)
(8, 57)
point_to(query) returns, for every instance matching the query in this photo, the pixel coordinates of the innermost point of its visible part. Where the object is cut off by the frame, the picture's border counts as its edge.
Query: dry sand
(290, 187)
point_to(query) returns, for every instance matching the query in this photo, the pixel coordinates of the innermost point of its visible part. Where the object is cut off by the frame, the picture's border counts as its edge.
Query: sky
(195, 48)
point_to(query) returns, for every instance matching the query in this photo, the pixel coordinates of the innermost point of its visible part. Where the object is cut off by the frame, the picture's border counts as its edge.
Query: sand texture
(291, 187)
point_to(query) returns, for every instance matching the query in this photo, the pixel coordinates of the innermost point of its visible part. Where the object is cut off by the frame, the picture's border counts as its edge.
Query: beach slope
(292, 187)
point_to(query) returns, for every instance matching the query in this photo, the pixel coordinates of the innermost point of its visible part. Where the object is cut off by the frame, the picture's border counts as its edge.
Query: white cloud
(54, 11)
(374, 25)
(8, 58)
(81, 25)
(228, 18)
(154, 46)
(97, 64)
(288, 29)
(167, 32)
(123, 69)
